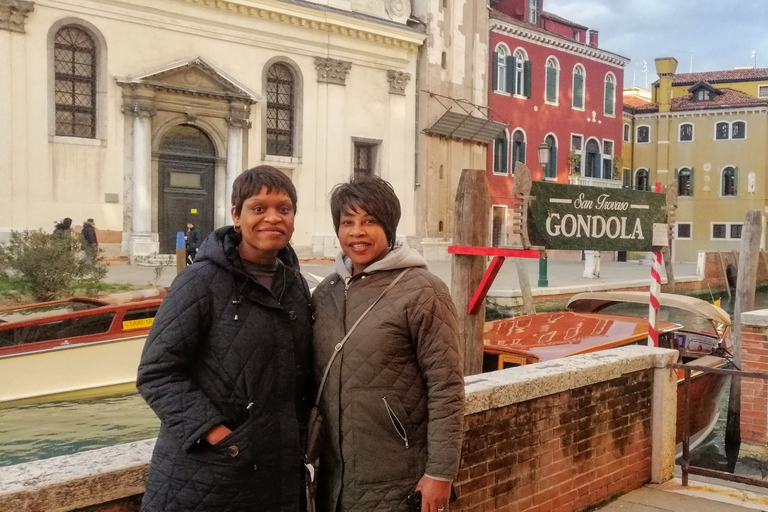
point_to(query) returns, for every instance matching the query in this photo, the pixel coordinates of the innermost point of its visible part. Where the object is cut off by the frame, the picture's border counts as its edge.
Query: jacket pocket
(381, 448)
(234, 451)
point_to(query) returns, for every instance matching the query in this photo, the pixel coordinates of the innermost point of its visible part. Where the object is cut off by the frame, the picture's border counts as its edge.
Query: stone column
(592, 264)
(13, 14)
(141, 243)
(237, 123)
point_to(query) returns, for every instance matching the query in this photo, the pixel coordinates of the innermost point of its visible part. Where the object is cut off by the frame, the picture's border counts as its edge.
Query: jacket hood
(402, 256)
(220, 247)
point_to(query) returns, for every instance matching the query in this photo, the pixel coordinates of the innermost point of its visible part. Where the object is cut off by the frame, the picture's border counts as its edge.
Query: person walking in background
(65, 226)
(227, 364)
(392, 403)
(193, 240)
(89, 235)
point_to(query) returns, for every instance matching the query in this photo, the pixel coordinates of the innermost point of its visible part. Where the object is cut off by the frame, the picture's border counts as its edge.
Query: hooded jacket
(393, 401)
(225, 350)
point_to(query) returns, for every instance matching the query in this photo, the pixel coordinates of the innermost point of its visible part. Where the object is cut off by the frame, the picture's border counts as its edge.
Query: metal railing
(686, 467)
(594, 182)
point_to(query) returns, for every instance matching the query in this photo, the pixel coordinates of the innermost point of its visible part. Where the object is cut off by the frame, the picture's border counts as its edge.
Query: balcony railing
(576, 179)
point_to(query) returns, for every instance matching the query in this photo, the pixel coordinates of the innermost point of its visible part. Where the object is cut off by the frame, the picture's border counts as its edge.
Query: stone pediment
(193, 76)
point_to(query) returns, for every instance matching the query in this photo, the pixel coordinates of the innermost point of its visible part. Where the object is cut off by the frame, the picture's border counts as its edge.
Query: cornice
(323, 21)
(703, 113)
(558, 43)
(13, 14)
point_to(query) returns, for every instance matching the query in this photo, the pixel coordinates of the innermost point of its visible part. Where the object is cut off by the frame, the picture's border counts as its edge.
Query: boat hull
(706, 392)
(94, 368)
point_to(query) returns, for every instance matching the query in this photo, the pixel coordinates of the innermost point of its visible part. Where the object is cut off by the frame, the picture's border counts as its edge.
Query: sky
(705, 35)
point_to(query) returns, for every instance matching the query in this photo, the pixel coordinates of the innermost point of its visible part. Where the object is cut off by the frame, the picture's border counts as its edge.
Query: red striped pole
(653, 312)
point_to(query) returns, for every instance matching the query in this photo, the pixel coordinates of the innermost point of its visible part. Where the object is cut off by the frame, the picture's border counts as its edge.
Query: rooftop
(727, 98)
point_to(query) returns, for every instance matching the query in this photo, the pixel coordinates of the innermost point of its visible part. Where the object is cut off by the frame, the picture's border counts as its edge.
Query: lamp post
(544, 152)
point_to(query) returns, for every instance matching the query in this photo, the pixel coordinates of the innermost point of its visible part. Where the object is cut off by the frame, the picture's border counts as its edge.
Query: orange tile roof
(731, 75)
(729, 98)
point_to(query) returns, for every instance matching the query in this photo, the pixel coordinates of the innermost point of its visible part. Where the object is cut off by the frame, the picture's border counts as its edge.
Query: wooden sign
(590, 218)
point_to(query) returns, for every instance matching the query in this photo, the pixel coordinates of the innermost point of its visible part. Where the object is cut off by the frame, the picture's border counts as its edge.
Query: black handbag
(313, 444)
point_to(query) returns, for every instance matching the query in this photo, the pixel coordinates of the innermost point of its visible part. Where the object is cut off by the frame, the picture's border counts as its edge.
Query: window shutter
(578, 91)
(609, 102)
(527, 79)
(736, 181)
(691, 181)
(495, 71)
(553, 163)
(511, 66)
(551, 84)
(522, 152)
(505, 156)
(677, 173)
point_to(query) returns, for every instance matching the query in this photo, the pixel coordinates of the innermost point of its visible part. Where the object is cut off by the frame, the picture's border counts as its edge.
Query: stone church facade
(141, 113)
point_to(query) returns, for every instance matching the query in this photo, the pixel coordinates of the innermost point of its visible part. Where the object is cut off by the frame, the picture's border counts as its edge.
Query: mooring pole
(470, 228)
(181, 252)
(746, 280)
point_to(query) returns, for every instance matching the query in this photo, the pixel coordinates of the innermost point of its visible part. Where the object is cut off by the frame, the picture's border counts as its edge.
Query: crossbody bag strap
(340, 344)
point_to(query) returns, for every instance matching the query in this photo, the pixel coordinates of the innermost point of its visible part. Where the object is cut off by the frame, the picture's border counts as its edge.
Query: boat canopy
(592, 302)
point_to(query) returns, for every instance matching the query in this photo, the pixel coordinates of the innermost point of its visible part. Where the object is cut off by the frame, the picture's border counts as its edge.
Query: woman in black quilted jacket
(226, 364)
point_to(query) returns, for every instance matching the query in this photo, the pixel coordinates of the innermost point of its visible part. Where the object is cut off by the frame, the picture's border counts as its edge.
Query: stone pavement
(563, 276)
(701, 495)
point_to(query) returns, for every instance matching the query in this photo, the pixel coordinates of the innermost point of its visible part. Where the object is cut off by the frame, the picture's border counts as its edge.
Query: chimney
(593, 38)
(665, 68)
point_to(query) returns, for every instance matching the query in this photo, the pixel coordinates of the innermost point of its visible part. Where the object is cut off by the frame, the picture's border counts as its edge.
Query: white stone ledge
(757, 318)
(505, 387)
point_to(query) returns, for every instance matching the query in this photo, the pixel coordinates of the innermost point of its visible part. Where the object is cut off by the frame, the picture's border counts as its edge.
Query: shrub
(49, 265)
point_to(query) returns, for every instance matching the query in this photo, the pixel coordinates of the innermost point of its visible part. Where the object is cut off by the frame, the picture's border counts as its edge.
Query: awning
(461, 126)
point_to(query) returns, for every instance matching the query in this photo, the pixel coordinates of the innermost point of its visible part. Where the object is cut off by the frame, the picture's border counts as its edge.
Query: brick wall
(754, 392)
(562, 452)
(559, 436)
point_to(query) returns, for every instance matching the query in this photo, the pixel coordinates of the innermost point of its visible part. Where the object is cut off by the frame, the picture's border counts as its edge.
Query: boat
(601, 320)
(72, 348)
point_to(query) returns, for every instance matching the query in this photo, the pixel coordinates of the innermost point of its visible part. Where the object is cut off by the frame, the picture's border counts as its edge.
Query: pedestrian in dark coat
(193, 240)
(226, 364)
(89, 235)
(63, 227)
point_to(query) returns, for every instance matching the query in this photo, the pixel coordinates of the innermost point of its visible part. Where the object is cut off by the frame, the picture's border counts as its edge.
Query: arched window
(593, 163)
(642, 180)
(522, 85)
(610, 95)
(551, 94)
(686, 132)
(643, 134)
(500, 152)
(500, 57)
(627, 133)
(551, 170)
(685, 182)
(729, 182)
(518, 148)
(74, 57)
(738, 130)
(578, 87)
(281, 110)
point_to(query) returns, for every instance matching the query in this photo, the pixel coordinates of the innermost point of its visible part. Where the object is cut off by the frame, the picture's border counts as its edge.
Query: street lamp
(544, 152)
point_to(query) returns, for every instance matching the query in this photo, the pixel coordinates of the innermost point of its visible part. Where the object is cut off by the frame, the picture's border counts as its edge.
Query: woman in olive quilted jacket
(393, 401)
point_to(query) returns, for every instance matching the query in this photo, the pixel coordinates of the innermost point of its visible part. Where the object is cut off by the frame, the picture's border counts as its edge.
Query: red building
(550, 84)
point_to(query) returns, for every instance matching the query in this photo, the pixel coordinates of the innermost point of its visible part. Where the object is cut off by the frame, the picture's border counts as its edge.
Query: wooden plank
(746, 281)
(725, 274)
(470, 228)
(495, 252)
(478, 299)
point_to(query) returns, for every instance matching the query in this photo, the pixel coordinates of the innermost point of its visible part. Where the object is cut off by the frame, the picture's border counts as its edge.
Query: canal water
(50, 429)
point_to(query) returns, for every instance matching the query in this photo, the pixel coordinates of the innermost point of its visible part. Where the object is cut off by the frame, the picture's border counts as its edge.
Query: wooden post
(746, 281)
(725, 274)
(525, 287)
(666, 252)
(470, 227)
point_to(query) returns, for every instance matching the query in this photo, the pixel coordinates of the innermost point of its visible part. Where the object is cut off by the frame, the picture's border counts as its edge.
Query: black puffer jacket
(225, 350)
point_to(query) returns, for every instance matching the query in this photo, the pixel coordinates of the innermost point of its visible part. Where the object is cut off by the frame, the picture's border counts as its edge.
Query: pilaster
(13, 14)
(238, 122)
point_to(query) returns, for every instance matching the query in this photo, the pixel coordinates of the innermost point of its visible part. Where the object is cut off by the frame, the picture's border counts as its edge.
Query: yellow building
(752, 81)
(711, 141)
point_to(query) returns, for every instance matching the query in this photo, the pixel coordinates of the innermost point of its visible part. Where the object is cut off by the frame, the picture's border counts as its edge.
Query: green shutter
(691, 179)
(610, 101)
(578, 91)
(552, 167)
(522, 152)
(527, 68)
(511, 66)
(736, 181)
(551, 84)
(505, 156)
(495, 71)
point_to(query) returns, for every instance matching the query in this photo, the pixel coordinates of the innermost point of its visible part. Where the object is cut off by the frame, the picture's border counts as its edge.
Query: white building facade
(141, 113)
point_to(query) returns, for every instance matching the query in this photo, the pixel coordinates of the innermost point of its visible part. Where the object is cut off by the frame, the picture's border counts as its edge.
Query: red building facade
(550, 84)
